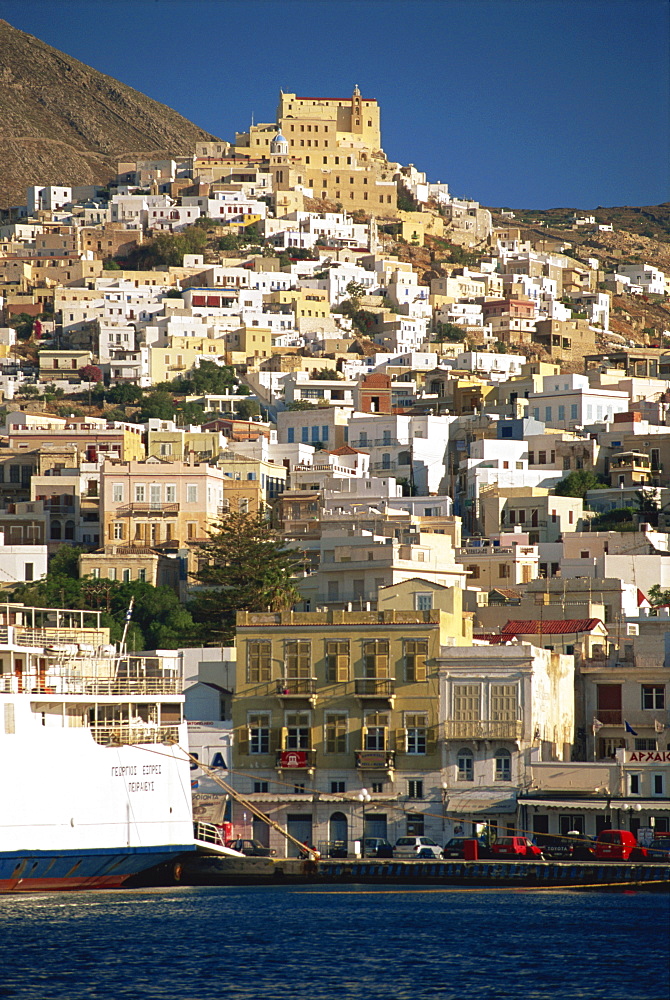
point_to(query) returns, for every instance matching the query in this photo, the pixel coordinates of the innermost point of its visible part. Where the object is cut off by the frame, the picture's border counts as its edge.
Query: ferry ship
(94, 773)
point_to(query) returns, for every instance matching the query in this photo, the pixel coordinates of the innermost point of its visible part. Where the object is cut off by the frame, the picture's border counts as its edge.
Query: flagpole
(129, 615)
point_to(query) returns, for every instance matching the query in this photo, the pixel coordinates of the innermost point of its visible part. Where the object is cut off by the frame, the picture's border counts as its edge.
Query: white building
(568, 401)
(407, 447)
(496, 702)
(21, 563)
(650, 279)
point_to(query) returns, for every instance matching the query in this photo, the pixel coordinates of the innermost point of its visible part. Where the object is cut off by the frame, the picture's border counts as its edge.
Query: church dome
(279, 145)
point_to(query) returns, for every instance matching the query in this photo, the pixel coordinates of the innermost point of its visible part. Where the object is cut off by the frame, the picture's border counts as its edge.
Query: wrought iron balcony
(374, 687)
(146, 510)
(296, 687)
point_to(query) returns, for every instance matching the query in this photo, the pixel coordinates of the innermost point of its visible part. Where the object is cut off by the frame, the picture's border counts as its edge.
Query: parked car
(338, 849)
(659, 849)
(252, 848)
(377, 847)
(619, 845)
(518, 847)
(573, 846)
(416, 847)
(454, 848)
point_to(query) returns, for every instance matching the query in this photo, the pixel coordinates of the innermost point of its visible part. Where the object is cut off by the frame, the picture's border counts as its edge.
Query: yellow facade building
(331, 702)
(330, 149)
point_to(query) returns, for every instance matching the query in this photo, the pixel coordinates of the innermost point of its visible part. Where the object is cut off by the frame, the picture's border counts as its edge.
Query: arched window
(503, 762)
(69, 530)
(56, 531)
(465, 764)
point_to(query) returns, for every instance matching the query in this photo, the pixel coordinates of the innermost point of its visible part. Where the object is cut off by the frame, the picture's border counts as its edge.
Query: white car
(416, 847)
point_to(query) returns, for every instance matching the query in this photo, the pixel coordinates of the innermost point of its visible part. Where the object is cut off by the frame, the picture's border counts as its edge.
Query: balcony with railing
(483, 729)
(374, 687)
(296, 687)
(146, 510)
(610, 716)
(375, 760)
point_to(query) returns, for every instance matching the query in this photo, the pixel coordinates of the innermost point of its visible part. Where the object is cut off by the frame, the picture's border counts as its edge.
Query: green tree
(300, 404)
(658, 597)
(23, 324)
(167, 249)
(325, 374)
(110, 265)
(191, 413)
(448, 332)
(355, 291)
(208, 377)
(124, 395)
(245, 409)
(246, 567)
(578, 483)
(158, 618)
(159, 405)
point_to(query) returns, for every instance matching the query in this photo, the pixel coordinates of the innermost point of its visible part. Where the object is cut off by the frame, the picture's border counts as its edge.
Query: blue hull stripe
(93, 863)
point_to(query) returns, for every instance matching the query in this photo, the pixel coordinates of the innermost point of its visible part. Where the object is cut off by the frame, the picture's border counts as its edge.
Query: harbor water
(335, 943)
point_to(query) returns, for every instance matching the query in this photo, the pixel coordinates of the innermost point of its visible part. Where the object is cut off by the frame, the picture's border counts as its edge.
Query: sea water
(335, 943)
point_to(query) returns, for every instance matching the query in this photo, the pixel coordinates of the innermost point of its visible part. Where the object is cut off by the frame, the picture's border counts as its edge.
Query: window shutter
(283, 738)
(401, 740)
(243, 741)
(420, 666)
(431, 740)
(364, 736)
(342, 669)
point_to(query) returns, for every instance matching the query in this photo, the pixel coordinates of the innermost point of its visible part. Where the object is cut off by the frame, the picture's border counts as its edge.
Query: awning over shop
(479, 801)
(602, 804)
(637, 805)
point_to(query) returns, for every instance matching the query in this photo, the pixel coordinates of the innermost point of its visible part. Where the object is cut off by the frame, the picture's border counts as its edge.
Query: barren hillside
(62, 122)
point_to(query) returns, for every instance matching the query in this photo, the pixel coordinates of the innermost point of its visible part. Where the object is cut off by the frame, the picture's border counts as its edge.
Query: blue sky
(519, 103)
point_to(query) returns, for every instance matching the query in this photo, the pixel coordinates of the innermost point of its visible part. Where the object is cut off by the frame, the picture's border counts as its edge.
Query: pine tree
(245, 567)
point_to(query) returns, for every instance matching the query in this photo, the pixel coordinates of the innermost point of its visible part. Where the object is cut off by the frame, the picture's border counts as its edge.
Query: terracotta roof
(561, 627)
(346, 449)
(510, 595)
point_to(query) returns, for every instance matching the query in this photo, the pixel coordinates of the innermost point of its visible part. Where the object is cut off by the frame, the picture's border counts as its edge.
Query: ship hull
(49, 871)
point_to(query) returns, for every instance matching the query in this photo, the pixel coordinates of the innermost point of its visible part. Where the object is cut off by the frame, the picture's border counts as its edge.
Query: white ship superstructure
(94, 777)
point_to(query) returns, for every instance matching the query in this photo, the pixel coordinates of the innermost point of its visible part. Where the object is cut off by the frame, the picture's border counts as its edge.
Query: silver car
(416, 847)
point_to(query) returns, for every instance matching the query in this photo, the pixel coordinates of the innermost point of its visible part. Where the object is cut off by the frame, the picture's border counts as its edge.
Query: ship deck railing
(130, 735)
(89, 687)
(25, 635)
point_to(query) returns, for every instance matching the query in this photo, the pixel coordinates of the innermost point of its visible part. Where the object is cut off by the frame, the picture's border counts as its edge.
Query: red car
(618, 845)
(517, 847)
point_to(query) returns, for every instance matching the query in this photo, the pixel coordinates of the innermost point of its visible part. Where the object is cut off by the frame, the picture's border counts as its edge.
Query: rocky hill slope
(62, 122)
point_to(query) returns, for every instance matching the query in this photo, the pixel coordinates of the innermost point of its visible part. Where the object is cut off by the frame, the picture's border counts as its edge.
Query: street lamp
(363, 797)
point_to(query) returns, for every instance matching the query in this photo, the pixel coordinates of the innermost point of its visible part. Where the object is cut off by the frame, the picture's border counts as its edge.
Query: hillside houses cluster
(472, 648)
